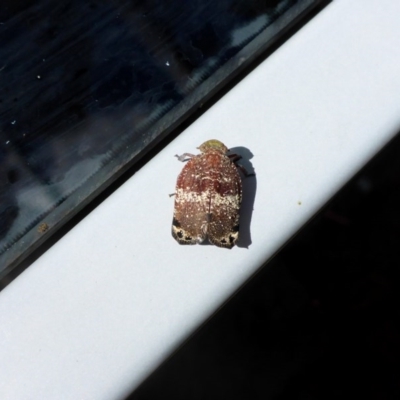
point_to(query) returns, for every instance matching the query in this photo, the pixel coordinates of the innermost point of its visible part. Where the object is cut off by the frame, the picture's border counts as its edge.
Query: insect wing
(189, 223)
(223, 227)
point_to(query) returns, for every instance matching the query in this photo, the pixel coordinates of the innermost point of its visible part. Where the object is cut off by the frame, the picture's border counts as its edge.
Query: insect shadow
(249, 187)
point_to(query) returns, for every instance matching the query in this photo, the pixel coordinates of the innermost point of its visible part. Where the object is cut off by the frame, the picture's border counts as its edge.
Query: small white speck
(38, 76)
(167, 64)
(7, 142)
(13, 122)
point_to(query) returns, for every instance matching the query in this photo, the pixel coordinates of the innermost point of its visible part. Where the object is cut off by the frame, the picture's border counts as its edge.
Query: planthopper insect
(208, 197)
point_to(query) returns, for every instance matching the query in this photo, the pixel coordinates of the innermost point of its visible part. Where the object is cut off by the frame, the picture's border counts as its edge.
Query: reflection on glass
(87, 86)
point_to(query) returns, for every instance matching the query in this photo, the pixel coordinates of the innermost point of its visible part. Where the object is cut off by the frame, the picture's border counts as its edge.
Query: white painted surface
(105, 305)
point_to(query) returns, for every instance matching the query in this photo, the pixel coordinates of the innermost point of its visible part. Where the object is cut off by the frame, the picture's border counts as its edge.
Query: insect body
(208, 197)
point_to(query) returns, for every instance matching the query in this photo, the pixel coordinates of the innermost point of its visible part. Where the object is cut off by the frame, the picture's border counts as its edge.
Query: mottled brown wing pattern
(208, 197)
(190, 209)
(223, 227)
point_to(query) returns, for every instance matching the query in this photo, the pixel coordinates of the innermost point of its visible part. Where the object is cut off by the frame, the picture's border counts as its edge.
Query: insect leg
(235, 158)
(184, 157)
(244, 171)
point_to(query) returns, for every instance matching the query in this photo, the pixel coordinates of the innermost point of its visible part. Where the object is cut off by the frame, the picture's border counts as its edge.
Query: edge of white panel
(95, 314)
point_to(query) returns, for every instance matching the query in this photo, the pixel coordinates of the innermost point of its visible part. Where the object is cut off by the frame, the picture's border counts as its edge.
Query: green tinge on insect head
(213, 144)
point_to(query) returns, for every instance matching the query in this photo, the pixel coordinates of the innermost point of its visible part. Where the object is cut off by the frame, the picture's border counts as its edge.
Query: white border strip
(104, 306)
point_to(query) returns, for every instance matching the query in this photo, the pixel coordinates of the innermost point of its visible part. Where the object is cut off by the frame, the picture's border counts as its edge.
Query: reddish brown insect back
(208, 197)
